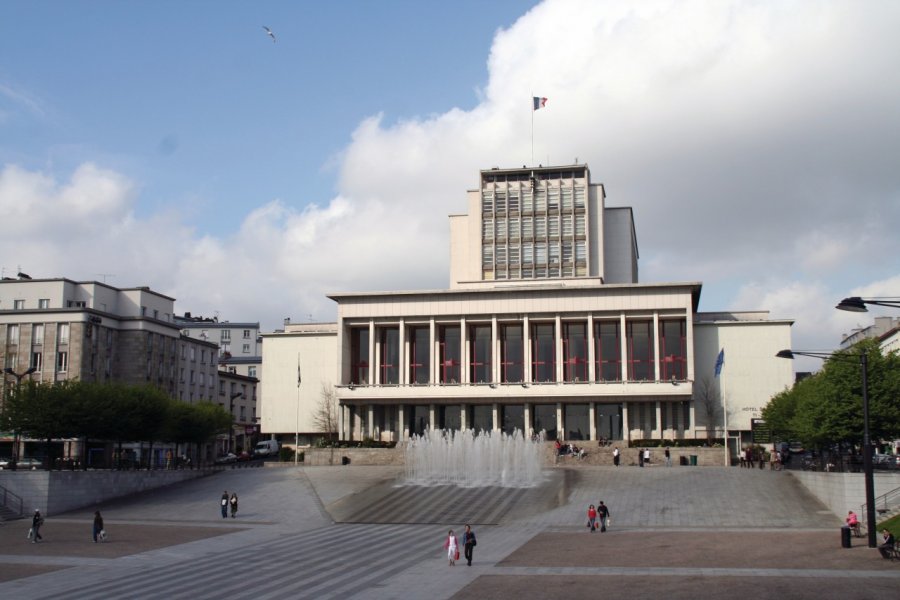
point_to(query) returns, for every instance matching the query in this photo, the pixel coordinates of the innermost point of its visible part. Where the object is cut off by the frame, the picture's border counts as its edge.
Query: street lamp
(19, 377)
(867, 442)
(231, 412)
(857, 304)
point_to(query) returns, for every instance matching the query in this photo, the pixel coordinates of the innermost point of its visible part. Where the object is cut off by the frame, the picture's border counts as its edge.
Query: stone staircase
(11, 506)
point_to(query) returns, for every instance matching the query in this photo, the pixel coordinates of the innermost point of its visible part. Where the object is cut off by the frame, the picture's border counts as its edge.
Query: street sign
(760, 432)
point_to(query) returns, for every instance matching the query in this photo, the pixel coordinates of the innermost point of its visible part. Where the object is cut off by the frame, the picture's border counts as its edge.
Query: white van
(266, 448)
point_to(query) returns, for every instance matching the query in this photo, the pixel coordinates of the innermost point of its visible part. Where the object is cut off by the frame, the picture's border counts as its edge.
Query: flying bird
(269, 33)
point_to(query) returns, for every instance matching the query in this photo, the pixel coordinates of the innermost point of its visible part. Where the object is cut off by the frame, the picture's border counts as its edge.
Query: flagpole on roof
(532, 129)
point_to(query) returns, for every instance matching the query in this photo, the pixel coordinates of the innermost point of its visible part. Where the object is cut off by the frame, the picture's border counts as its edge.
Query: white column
(655, 333)
(370, 422)
(432, 417)
(373, 356)
(592, 354)
(560, 424)
(693, 421)
(529, 426)
(402, 353)
(462, 417)
(343, 422)
(463, 351)
(658, 430)
(495, 351)
(557, 339)
(626, 428)
(495, 413)
(623, 348)
(401, 423)
(433, 370)
(592, 416)
(526, 351)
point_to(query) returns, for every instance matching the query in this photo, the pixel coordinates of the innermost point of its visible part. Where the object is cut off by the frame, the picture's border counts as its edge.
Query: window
(513, 200)
(553, 199)
(527, 201)
(203, 355)
(245, 349)
(243, 413)
(543, 352)
(389, 340)
(487, 201)
(155, 314)
(540, 227)
(607, 351)
(480, 352)
(514, 228)
(512, 354)
(37, 334)
(501, 228)
(449, 346)
(540, 254)
(579, 225)
(11, 360)
(76, 304)
(514, 255)
(62, 333)
(575, 355)
(527, 228)
(580, 252)
(226, 335)
(44, 303)
(672, 350)
(487, 228)
(499, 202)
(579, 197)
(143, 311)
(419, 360)
(251, 371)
(246, 334)
(193, 353)
(487, 256)
(37, 361)
(359, 355)
(568, 225)
(12, 335)
(540, 200)
(640, 350)
(554, 253)
(18, 305)
(566, 198)
(62, 362)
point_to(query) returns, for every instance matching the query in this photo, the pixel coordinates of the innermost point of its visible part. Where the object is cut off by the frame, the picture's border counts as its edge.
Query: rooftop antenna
(104, 275)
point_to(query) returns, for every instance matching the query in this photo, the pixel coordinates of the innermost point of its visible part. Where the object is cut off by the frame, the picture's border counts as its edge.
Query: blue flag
(720, 361)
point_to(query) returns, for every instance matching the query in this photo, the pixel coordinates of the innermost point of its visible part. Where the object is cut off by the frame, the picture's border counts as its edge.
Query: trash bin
(693, 460)
(845, 537)
(345, 460)
(683, 461)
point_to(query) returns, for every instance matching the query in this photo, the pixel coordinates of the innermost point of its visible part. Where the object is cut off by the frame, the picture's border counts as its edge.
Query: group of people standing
(598, 518)
(451, 545)
(229, 502)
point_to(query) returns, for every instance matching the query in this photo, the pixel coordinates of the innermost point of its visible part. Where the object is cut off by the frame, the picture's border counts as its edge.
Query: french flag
(539, 102)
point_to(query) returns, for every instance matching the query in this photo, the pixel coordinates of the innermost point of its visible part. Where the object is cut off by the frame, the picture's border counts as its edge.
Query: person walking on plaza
(668, 457)
(469, 543)
(592, 518)
(616, 454)
(234, 504)
(36, 521)
(647, 456)
(603, 513)
(224, 504)
(452, 547)
(640, 457)
(98, 526)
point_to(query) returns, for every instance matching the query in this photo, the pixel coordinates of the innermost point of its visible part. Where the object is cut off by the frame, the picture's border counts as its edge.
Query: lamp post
(231, 412)
(857, 304)
(19, 377)
(867, 442)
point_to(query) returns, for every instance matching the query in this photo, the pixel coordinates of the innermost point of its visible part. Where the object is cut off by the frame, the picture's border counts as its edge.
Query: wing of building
(544, 327)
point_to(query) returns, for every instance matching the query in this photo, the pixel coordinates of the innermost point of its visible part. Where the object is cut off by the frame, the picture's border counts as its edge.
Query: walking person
(98, 531)
(36, 521)
(616, 454)
(224, 504)
(668, 457)
(469, 543)
(603, 513)
(452, 547)
(592, 518)
(647, 456)
(640, 457)
(234, 504)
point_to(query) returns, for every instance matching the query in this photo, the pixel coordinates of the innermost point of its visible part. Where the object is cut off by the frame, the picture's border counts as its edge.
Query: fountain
(468, 459)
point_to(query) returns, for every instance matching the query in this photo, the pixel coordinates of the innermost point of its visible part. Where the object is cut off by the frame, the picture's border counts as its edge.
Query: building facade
(91, 331)
(545, 327)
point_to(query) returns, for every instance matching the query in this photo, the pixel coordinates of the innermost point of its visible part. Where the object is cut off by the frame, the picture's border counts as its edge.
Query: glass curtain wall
(389, 338)
(609, 421)
(640, 348)
(512, 354)
(480, 352)
(578, 422)
(359, 355)
(575, 352)
(480, 417)
(543, 362)
(449, 348)
(607, 351)
(673, 350)
(545, 420)
(419, 362)
(512, 417)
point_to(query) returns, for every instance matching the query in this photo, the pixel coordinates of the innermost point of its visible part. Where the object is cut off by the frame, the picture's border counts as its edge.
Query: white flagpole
(297, 430)
(532, 129)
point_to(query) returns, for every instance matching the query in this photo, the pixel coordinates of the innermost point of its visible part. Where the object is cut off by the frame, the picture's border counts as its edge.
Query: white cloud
(755, 142)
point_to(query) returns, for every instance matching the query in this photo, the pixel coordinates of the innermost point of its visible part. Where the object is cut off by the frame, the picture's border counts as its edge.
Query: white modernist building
(544, 327)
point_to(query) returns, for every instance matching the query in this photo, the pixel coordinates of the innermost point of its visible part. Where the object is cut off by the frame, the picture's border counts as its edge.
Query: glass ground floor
(558, 420)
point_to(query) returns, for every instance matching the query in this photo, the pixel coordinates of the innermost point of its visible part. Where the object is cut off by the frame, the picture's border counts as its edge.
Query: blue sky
(172, 144)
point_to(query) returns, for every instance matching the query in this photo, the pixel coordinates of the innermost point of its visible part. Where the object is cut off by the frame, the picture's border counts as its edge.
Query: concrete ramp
(394, 502)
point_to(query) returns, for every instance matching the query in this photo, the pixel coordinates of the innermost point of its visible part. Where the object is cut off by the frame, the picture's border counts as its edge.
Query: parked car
(4, 462)
(886, 461)
(29, 463)
(226, 459)
(244, 456)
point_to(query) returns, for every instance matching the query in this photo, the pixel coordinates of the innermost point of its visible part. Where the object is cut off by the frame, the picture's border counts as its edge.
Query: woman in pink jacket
(452, 547)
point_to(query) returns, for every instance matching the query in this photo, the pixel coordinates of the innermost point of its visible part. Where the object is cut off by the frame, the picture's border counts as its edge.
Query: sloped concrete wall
(842, 492)
(55, 492)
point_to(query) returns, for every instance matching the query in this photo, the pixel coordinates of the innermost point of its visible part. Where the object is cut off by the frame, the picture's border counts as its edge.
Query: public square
(303, 533)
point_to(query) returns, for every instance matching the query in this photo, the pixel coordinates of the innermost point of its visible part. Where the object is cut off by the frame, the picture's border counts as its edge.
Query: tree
(707, 400)
(326, 412)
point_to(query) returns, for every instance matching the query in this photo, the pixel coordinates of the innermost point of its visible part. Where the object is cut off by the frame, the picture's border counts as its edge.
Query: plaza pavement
(677, 532)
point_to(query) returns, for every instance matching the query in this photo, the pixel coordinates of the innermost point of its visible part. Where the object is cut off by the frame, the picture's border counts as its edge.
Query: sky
(175, 145)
